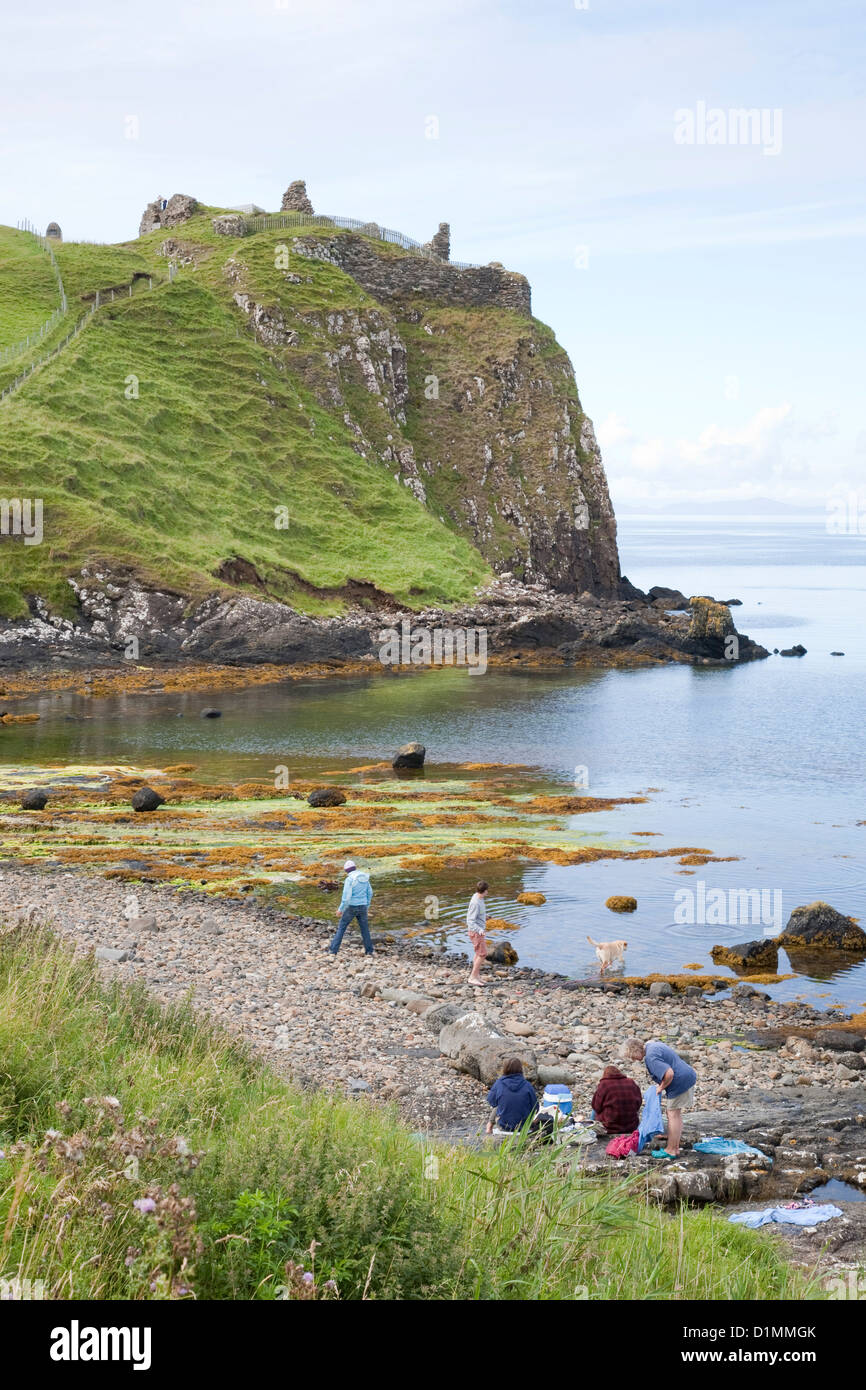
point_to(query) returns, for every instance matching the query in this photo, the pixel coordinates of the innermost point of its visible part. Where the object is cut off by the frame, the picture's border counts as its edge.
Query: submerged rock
(410, 755)
(819, 926)
(754, 957)
(503, 953)
(621, 903)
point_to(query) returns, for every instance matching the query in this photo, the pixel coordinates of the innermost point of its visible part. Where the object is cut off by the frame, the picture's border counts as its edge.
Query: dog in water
(608, 951)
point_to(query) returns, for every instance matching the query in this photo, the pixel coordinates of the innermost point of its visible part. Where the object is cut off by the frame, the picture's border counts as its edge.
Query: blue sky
(711, 295)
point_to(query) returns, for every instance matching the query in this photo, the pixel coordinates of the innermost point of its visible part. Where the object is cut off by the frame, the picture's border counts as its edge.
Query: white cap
(349, 864)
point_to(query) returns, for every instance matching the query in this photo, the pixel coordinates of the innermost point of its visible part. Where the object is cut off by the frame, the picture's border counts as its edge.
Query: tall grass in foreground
(147, 1155)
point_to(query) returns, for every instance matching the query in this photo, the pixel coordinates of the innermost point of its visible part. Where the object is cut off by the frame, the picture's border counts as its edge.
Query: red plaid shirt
(616, 1103)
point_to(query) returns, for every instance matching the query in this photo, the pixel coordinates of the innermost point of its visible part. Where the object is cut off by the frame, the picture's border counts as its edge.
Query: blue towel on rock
(651, 1121)
(786, 1216)
(715, 1144)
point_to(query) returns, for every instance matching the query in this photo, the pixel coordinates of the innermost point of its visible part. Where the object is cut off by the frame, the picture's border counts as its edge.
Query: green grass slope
(190, 472)
(28, 286)
(144, 1154)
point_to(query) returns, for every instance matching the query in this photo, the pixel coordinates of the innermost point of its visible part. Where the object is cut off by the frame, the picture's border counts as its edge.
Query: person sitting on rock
(512, 1097)
(617, 1101)
(357, 895)
(476, 922)
(675, 1081)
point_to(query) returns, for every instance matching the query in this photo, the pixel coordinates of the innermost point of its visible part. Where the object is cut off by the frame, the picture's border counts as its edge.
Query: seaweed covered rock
(531, 899)
(410, 755)
(146, 799)
(503, 953)
(750, 957)
(711, 622)
(819, 926)
(621, 903)
(326, 796)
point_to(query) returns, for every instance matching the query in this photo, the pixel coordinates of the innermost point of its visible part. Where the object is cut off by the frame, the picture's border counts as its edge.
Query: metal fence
(16, 349)
(40, 362)
(99, 301)
(270, 220)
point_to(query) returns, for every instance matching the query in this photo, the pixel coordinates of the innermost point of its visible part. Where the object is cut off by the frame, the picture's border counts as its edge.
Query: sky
(705, 273)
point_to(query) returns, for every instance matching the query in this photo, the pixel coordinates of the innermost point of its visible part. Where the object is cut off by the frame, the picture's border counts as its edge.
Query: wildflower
(111, 1101)
(182, 1146)
(144, 1204)
(308, 1278)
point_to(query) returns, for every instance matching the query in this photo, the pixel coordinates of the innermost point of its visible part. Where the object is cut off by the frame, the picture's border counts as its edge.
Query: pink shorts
(479, 946)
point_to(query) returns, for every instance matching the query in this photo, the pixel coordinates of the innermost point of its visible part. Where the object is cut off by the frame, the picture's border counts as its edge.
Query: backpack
(621, 1145)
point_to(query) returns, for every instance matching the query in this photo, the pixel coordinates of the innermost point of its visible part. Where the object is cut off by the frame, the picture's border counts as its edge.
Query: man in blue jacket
(357, 894)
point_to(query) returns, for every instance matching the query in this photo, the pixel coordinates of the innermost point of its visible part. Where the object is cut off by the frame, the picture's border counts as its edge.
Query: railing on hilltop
(18, 349)
(267, 220)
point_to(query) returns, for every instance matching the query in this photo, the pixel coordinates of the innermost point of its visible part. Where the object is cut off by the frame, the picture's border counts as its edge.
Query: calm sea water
(764, 761)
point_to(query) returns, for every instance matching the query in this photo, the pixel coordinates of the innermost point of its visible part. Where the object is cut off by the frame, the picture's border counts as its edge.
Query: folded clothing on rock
(786, 1216)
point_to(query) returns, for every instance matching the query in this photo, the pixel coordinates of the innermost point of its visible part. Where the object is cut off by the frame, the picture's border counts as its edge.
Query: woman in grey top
(476, 921)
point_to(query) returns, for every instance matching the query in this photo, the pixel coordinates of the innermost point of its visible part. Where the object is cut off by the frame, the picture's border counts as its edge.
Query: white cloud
(776, 453)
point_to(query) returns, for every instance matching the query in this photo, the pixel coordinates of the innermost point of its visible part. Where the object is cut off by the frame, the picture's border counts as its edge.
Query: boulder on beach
(146, 799)
(211, 714)
(621, 903)
(326, 796)
(503, 953)
(410, 755)
(751, 957)
(438, 1015)
(35, 799)
(819, 926)
(478, 1049)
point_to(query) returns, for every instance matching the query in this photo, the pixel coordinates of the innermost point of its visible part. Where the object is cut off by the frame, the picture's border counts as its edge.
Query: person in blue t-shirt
(675, 1080)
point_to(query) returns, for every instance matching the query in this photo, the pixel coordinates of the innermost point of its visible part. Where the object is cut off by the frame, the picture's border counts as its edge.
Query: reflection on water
(762, 762)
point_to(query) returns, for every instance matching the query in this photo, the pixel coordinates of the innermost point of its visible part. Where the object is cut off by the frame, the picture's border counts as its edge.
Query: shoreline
(358, 1027)
(117, 619)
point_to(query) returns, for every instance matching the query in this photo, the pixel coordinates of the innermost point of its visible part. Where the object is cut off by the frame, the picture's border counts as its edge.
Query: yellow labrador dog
(608, 951)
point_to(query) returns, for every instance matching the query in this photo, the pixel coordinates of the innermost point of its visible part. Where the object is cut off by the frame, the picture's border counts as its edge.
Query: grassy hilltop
(188, 475)
(165, 436)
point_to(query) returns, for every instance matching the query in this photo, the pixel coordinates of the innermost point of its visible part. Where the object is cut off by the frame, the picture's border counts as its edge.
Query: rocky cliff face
(443, 376)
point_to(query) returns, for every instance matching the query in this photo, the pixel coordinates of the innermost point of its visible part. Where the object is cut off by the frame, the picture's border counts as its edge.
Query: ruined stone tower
(295, 198)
